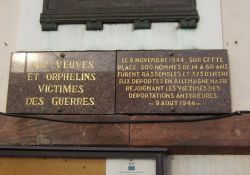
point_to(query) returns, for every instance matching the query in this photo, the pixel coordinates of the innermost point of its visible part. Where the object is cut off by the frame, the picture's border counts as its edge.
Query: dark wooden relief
(141, 13)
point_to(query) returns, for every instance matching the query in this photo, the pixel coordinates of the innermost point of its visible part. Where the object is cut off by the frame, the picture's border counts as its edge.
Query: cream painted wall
(236, 27)
(9, 23)
(120, 37)
(208, 165)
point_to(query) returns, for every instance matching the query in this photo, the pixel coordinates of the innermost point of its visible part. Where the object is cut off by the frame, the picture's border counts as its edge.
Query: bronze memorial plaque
(62, 83)
(162, 82)
(141, 13)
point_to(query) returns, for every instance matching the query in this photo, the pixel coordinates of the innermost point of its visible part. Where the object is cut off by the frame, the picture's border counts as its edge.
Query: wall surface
(24, 34)
(120, 37)
(208, 165)
(9, 17)
(236, 27)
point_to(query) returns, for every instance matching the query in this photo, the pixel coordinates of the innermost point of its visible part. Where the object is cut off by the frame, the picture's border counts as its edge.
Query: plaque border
(87, 152)
(141, 18)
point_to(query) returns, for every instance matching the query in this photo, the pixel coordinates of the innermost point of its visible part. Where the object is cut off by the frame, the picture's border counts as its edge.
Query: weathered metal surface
(162, 82)
(96, 12)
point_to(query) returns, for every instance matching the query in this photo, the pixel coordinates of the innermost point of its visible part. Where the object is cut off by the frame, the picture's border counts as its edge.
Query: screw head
(62, 55)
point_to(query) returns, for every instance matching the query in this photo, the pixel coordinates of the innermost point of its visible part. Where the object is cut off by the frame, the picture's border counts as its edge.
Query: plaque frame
(141, 17)
(87, 152)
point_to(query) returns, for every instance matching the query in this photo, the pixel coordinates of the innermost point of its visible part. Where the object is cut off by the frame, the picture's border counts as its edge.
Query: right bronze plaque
(165, 82)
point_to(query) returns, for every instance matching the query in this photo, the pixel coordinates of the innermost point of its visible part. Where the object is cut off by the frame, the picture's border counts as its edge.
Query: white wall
(208, 165)
(236, 27)
(9, 24)
(236, 33)
(120, 37)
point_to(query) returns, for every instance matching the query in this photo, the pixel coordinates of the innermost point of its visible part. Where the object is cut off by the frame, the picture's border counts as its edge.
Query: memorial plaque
(94, 13)
(122, 82)
(62, 83)
(162, 82)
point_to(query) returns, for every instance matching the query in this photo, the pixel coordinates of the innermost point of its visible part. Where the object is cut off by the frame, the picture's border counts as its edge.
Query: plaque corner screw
(173, 110)
(62, 55)
(60, 110)
(171, 54)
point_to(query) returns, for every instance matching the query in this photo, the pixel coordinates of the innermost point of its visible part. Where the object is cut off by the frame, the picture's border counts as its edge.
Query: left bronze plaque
(62, 83)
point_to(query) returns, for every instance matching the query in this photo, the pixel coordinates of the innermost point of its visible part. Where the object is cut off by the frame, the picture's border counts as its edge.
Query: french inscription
(161, 82)
(67, 83)
(122, 82)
